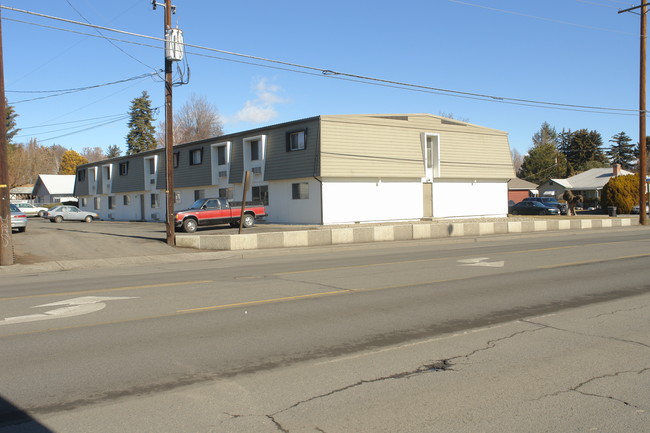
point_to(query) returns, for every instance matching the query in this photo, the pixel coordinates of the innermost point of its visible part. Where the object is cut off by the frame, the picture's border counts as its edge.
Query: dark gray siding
(283, 164)
(81, 187)
(133, 180)
(187, 175)
(279, 162)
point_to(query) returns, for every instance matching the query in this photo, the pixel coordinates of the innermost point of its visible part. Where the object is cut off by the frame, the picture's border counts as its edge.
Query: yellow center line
(116, 289)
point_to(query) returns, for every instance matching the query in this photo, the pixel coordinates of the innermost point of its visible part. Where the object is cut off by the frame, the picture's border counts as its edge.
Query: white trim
(431, 158)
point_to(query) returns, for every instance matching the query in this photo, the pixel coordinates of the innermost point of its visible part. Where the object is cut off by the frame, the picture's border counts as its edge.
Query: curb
(387, 233)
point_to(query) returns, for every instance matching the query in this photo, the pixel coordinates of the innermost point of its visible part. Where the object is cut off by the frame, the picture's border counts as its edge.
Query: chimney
(616, 169)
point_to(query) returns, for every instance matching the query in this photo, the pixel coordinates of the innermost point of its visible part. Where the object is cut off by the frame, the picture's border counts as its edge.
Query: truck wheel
(189, 225)
(249, 221)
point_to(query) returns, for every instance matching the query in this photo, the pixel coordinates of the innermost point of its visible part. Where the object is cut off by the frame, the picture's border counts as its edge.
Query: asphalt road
(506, 333)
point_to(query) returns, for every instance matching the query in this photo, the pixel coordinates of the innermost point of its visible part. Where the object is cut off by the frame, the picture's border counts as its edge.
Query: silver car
(31, 210)
(18, 219)
(69, 213)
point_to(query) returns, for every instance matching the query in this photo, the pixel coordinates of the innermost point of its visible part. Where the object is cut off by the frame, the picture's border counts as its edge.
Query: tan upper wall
(391, 146)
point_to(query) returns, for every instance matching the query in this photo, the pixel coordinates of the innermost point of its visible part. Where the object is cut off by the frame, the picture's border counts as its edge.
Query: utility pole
(642, 112)
(169, 125)
(6, 244)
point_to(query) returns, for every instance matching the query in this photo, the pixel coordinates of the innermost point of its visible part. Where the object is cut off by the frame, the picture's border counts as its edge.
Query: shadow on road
(15, 420)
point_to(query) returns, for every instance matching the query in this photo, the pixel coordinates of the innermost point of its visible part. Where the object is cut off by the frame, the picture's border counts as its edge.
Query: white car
(31, 210)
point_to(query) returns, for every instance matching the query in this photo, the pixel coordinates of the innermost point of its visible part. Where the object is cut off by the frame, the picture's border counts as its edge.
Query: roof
(596, 178)
(56, 183)
(517, 183)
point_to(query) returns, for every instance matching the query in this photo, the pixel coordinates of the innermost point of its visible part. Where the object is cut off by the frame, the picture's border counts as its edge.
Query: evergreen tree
(11, 115)
(585, 150)
(69, 162)
(543, 160)
(564, 146)
(141, 136)
(622, 151)
(113, 151)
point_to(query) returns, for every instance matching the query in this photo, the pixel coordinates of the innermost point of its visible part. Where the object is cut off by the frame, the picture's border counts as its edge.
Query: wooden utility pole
(169, 126)
(6, 244)
(642, 112)
(169, 131)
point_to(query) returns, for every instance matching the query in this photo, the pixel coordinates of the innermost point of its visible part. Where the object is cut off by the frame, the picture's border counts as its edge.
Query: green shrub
(622, 192)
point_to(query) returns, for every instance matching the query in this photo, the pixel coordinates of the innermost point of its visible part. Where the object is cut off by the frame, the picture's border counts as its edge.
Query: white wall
(470, 199)
(283, 209)
(349, 201)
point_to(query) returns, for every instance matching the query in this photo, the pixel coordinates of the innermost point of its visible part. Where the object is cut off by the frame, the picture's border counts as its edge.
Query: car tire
(41, 213)
(189, 225)
(249, 221)
(22, 229)
(57, 219)
(515, 212)
(88, 219)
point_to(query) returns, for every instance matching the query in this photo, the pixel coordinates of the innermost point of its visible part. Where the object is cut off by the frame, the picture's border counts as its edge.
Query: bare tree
(92, 154)
(27, 161)
(196, 120)
(517, 160)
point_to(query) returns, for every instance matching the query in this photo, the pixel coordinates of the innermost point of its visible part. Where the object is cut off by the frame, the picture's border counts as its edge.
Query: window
(124, 168)
(155, 201)
(296, 140)
(84, 202)
(176, 157)
(300, 191)
(196, 156)
(177, 197)
(221, 155)
(81, 175)
(126, 200)
(261, 193)
(152, 166)
(255, 150)
(107, 172)
(199, 194)
(97, 203)
(212, 204)
(432, 155)
(225, 193)
(111, 202)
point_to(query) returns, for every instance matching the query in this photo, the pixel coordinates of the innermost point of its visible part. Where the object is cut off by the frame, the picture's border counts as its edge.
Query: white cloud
(262, 108)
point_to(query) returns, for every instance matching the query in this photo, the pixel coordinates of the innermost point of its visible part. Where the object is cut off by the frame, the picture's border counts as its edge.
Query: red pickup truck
(212, 211)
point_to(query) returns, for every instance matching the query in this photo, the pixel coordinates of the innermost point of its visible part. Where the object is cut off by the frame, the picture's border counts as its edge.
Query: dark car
(551, 201)
(529, 207)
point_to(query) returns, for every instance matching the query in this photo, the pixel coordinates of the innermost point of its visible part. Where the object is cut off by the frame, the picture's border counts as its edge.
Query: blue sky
(572, 52)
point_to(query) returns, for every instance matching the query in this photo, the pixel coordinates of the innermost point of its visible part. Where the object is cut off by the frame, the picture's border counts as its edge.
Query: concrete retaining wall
(386, 232)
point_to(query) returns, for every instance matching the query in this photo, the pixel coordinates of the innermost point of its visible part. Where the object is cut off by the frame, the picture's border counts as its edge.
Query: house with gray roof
(54, 188)
(588, 184)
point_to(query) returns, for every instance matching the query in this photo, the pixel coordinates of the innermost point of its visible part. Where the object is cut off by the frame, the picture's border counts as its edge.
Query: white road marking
(481, 261)
(74, 307)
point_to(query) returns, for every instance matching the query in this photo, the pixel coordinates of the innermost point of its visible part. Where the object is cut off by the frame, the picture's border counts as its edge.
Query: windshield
(197, 204)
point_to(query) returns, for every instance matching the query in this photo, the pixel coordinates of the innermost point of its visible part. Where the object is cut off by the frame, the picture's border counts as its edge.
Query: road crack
(585, 334)
(577, 387)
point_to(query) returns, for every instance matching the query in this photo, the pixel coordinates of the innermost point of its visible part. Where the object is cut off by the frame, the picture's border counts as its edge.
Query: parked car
(18, 218)
(31, 210)
(529, 207)
(550, 201)
(218, 210)
(69, 213)
(636, 208)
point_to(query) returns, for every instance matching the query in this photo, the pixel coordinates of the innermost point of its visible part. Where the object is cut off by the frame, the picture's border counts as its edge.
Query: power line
(362, 78)
(542, 18)
(75, 90)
